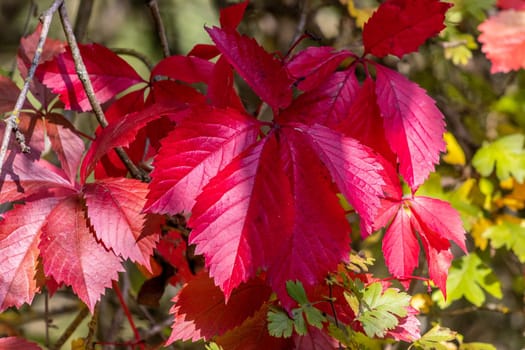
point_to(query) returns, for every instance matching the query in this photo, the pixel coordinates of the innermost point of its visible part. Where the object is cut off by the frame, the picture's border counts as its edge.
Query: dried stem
(85, 8)
(92, 326)
(136, 333)
(12, 121)
(71, 328)
(90, 92)
(159, 25)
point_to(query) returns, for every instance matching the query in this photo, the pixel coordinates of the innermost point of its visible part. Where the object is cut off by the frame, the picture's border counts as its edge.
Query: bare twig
(71, 328)
(85, 9)
(92, 326)
(33, 10)
(12, 121)
(301, 25)
(159, 25)
(90, 92)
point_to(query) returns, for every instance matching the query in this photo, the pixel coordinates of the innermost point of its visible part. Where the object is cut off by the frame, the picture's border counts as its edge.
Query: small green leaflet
(296, 291)
(509, 235)
(506, 154)
(279, 324)
(468, 277)
(380, 312)
(441, 338)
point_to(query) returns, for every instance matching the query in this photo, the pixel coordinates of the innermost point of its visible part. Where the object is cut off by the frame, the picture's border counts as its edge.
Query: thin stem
(159, 25)
(47, 320)
(116, 288)
(12, 121)
(92, 326)
(82, 314)
(85, 8)
(90, 92)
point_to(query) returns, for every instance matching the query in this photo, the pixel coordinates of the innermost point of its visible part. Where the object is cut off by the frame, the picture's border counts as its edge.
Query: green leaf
(477, 346)
(213, 346)
(298, 321)
(506, 154)
(314, 316)
(435, 339)
(509, 235)
(297, 292)
(380, 311)
(279, 324)
(468, 277)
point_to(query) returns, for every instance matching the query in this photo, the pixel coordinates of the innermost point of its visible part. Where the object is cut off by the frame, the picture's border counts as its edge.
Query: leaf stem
(13, 120)
(71, 328)
(90, 92)
(116, 288)
(159, 25)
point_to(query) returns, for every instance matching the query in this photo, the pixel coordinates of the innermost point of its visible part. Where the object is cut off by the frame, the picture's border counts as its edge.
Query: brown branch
(82, 314)
(159, 25)
(90, 92)
(85, 8)
(12, 121)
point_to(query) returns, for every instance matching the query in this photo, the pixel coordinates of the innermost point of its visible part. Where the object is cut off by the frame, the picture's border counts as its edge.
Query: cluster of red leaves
(263, 196)
(503, 36)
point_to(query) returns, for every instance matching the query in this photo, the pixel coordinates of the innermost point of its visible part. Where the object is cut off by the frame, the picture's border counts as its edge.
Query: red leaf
(315, 339)
(203, 318)
(114, 210)
(253, 335)
(204, 51)
(240, 215)
(231, 16)
(109, 75)
(189, 69)
(19, 238)
(355, 168)
(313, 65)
(221, 87)
(70, 253)
(172, 248)
(8, 94)
(9, 343)
(413, 124)
(408, 329)
(199, 147)
(320, 236)
(263, 73)
(327, 105)
(511, 4)
(401, 26)
(503, 40)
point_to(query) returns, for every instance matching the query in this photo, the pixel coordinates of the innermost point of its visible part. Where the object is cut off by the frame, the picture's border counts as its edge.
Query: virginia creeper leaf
(414, 126)
(231, 16)
(264, 74)
(17, 343)
(511, 4)
(109, 75)
(401, 26)
(189, 69)
(203, 318)
(71, 254)
(240, 215)
(199, 147)
(315, 339)
(114, 208)
(503, 40)
(8, 94)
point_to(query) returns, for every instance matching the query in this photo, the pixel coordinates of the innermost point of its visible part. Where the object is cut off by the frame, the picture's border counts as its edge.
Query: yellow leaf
(361, 15)
(78, 344)
(478, 228)
(421, 302)
(455, 154)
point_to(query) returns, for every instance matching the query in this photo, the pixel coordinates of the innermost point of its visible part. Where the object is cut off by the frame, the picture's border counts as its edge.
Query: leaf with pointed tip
(313, 65)
(17, 343)
(231, 16)
(240, 215)
(196, 151)
(414, 126)
(503, 40)
(114, 209)
(189, 69)
(303, 253)
(355, 168)
(109, 75)
(203, 318)
(401, 26)
(19, 238)
(70, 253)
(262, 72)
(221, 92)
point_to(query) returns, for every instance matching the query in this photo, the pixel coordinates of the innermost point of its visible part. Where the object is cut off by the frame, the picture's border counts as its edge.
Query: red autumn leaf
(221, 87)
(189, 69)
(204, 51)
(71, 254)
(315, 339)
(109, 75)
(434, 221)
(173, 248)
(413, 125)
(115, 205)
(355, 168)
(249, 203)
(511, 4)
(401, 26)
(264, 74)
(8, 94)
(302, 252)
(203, 318)
(408, 329)
(8, 343)
(252, 334)
(314, 65)
(231, 16)
(503, 40)
(199, 147)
